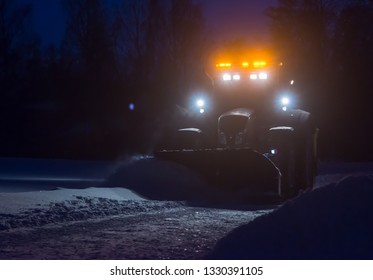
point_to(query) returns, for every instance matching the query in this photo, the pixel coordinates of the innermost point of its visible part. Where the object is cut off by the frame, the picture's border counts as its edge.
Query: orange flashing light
(259, 64)
(224, 65)
(245, 64)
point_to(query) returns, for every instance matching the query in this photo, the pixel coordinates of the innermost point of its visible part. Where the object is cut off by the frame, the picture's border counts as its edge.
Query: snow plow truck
(247, 135)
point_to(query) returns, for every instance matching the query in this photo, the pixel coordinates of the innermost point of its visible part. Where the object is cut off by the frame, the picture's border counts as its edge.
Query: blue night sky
(48, 20)
(229, 19)
(226, 19)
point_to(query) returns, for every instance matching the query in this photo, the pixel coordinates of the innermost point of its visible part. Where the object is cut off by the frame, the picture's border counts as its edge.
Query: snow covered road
(44, 218)
(147, 230)
(144, 209)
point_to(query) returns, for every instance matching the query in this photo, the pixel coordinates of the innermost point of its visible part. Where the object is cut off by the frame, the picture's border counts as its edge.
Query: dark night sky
(229, 19)
(48, 20)
(226, 19)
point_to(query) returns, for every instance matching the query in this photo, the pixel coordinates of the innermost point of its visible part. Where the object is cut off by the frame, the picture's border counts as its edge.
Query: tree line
(329, 45)
(97, 94)
(100, 92)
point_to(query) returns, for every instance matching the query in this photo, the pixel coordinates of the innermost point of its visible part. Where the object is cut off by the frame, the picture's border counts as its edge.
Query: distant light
(245, 64)
(200, 103)
(263, 76)
(201, 110)
(236, 77)
(131, 106)
(284, 108)
(227, 77)
(253, 76)
(292, 82)
(274, 152)
(285, 101)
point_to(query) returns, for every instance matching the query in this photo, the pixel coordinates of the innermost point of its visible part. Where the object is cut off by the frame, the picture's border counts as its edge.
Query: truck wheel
(306, 154)
(283, 155)
(294, 153)
(305, 150)
(288, 169)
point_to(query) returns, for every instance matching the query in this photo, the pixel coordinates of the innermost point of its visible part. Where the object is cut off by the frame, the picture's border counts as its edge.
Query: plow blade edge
(233, 169)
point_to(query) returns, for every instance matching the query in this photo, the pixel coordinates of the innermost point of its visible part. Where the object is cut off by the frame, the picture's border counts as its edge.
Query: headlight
(227, 77)
(253, 76)
(236, 77)
(285, 101)
(263, 76)
(200, 103)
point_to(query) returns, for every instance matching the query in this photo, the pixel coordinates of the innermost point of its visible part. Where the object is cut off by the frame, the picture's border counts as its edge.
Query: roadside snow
(331, 222)
(12, 203)
(111, 220)
(158, 179)
(35, 209)
(146, 198)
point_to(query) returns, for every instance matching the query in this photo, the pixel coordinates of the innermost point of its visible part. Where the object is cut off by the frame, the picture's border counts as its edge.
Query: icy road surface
(155, 231)
(144, 209)
(49, 211)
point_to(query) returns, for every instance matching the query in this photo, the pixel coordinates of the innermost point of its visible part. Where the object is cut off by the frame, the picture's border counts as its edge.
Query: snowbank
(331, 222)
(335, 221)
(158, 179)
(34, 209)
(12, 203)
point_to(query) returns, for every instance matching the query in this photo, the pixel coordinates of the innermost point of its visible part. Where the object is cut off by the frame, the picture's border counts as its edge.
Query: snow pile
(332, 172)
(32, 209)
(136, 185)
(158, 179)
(331, 222)
(12, 203)
(335, 221)
(25, 175)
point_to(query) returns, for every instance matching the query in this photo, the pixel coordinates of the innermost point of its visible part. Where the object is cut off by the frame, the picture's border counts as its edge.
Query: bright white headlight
(274, 152)
(236, 77)
(263, 76)
(227, 77)
(253, 76)
(200, 103)
(285, 101)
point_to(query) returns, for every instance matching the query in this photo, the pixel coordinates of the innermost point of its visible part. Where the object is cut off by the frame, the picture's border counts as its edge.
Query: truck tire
(306, 153)
(296, 158)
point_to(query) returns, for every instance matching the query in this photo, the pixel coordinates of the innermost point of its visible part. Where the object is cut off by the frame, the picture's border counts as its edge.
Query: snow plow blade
(243, 170)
